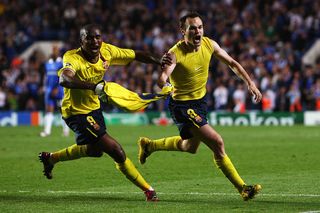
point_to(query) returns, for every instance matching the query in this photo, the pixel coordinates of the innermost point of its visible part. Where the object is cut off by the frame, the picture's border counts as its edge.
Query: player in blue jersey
(53, 92)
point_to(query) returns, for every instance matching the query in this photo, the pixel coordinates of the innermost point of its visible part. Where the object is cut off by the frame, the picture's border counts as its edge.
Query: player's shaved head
(91, 41)
(84, 31)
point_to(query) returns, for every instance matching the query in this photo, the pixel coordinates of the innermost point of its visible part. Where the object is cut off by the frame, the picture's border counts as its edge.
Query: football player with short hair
(82, 78)
(188, 75)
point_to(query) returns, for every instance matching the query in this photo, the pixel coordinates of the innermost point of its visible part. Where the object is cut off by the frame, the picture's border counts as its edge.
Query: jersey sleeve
(119, 56)
(176, 52)
(208, 44)
(70, 62)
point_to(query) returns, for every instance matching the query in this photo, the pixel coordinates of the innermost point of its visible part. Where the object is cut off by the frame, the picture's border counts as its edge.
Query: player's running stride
(188, 74)
(82, 78)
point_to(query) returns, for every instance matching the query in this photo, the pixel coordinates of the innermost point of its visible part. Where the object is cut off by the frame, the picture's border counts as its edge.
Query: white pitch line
(188, 193)
(318, 211)
(163, 193)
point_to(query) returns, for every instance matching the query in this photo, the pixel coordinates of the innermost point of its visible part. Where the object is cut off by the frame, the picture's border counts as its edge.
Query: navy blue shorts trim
(88, 128)
(186, 114)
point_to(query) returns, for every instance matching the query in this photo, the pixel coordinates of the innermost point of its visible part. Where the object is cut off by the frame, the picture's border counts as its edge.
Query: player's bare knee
(188, 147)
(192, 149)
(118, 154)
(219, 142)
(94, 151)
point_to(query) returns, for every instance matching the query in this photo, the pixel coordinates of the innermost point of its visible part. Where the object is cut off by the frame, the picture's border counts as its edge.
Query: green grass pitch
(284, 160)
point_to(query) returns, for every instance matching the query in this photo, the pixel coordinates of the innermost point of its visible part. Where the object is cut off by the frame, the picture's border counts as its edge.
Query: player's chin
(197, 43)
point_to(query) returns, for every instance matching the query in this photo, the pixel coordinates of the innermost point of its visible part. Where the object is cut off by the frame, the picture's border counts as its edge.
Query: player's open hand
(254, 91)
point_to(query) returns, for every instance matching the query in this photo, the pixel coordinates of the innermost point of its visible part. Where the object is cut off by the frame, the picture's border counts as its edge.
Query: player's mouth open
(95, 48)
(197, 38)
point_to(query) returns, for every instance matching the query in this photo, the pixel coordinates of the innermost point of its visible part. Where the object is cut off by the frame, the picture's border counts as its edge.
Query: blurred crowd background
(268, 37)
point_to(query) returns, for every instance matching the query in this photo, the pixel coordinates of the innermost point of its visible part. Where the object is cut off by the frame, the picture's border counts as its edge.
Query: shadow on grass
(68, 198)
(131, 200)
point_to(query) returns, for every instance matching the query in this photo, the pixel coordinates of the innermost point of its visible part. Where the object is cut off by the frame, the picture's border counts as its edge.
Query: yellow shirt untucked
(190, 75)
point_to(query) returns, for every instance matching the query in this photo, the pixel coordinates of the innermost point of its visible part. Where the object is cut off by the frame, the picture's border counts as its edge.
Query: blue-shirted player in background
(53, 92)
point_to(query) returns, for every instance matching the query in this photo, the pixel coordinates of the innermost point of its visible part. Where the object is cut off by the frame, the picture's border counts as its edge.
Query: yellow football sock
(169, 144)
(129, 170)
(70, 153)
(230, 172)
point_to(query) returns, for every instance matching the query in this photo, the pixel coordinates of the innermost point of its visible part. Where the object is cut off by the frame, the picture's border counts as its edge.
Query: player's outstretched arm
(69, 80)
(166, 71)
(223, 56)
(146, 57)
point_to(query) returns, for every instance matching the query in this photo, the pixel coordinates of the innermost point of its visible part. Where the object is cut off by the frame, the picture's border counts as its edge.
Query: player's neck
(191, 47)
(90, 58)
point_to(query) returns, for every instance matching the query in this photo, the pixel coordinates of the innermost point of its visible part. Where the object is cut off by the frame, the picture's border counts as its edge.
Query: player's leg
(215, 142)
(70, 153)
(87, 136)
(183, 115)
(176, 143)
(110, 146)
(75, 151)
(92, 128)
(48, 118)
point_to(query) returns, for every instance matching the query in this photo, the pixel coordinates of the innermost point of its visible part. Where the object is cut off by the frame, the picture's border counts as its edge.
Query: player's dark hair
(190, 14)
(87, 28)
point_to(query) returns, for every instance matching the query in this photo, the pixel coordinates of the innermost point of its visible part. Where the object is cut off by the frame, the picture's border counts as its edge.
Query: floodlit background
(275, 41)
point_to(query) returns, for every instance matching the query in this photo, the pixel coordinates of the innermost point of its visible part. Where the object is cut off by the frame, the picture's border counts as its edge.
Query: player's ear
(183, 32)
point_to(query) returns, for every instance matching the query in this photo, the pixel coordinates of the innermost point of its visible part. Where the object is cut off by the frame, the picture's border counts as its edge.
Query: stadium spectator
(220, 96)
(188, 106)
(294, 97)
(3, 99)
(282, 103)
(268, 100)
(239, 99)
(82, 78)
(316, 94)
(307, 83)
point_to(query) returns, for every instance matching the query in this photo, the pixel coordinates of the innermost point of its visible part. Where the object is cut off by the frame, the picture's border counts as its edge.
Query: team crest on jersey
(95, 126)
(193, 115)
(93, 123)
(198, 119)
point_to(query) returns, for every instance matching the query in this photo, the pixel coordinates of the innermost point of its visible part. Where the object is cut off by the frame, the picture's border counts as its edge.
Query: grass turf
(284, 160)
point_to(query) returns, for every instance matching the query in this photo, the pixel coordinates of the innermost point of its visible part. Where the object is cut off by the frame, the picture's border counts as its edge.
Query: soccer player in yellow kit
(188, 75)
(82, 78)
